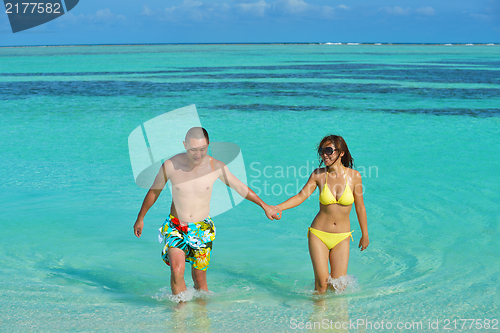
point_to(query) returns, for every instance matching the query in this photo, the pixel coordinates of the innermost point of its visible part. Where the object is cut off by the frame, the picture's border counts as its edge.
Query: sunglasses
(326, 150)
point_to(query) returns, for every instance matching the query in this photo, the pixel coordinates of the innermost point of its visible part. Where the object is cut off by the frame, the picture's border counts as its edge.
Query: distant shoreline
(318, 43)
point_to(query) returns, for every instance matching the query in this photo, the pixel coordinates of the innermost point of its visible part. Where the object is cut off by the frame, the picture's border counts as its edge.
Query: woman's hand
(272, 212)
(277, 214)
(364, 242)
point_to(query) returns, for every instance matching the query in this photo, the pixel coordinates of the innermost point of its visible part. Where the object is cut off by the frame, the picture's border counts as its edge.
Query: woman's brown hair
(341, 146)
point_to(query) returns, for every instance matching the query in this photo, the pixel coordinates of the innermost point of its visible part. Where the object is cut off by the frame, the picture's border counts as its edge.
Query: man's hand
(138, 226)
(273, 212)
(277, 213)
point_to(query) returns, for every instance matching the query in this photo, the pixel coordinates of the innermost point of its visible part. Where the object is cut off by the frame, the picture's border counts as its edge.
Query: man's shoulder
(175, 160)
(216, 163)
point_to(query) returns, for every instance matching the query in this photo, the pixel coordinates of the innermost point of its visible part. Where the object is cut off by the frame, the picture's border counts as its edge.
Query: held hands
(277, 215)
(363, 242)
(272, 212)
(138, 226)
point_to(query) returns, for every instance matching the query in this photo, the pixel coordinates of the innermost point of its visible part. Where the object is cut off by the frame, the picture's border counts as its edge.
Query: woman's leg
(339, 258)
(319, 258)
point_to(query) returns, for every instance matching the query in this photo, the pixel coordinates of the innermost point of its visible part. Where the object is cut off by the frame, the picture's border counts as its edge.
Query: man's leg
(199, 279)
(177, 260)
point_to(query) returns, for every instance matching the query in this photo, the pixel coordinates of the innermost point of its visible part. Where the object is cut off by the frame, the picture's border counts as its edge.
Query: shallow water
(421, 123)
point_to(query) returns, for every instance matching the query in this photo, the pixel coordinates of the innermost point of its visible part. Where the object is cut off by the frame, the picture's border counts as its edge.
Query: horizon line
(258, 43)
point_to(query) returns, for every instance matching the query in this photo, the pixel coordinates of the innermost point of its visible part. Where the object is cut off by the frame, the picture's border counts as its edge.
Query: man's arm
(230, 180)
(151, 197)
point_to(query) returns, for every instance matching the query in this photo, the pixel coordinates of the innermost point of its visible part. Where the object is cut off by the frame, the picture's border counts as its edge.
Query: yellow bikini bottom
(330, 238)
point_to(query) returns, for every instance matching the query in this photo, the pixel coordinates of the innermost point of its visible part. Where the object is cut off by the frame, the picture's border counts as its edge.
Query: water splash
(344, 284)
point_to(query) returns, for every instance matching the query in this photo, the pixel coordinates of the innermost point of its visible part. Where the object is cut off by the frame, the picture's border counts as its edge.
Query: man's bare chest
(193, 182)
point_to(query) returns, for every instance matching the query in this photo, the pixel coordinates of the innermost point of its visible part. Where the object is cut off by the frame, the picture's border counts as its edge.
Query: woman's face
(329, 153)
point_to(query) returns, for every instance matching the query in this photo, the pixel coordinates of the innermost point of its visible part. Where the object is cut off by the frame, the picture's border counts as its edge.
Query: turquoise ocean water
(422, 123)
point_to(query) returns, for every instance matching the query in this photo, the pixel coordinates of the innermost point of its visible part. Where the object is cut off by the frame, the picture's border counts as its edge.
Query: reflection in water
(191, 317)
(330, 314)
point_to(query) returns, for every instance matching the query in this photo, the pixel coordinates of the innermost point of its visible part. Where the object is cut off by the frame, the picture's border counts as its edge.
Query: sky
(265, 21)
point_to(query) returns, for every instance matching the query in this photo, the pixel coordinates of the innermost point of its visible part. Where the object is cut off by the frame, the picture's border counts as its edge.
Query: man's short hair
(196, 133)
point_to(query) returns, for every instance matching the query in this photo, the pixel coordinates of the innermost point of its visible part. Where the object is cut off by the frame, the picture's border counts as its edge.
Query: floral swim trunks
(195, 239)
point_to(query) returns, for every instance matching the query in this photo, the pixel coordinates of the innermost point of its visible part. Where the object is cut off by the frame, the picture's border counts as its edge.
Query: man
(189, 231)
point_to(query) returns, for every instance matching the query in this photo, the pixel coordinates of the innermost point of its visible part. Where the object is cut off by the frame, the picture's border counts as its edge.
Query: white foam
(344, 284)
(183, 296)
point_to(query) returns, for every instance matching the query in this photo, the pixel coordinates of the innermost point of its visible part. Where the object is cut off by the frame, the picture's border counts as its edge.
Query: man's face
(196, 149)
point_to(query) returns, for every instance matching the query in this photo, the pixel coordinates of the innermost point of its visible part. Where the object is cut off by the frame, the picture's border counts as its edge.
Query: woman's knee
(321, 284)
(321, 289)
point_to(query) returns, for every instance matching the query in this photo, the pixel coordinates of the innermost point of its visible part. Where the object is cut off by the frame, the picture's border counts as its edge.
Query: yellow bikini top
(326, 197)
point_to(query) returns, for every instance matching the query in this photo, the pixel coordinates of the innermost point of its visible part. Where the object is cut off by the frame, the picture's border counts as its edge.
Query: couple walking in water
(188, 231)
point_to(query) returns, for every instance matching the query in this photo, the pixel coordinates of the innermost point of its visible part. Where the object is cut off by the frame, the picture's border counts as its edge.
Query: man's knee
(177, 269)
(200, 281)
(177, 262)
(200, 278)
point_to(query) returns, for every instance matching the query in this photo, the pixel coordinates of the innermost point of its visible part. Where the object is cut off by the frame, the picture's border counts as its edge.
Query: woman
(329, 232)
